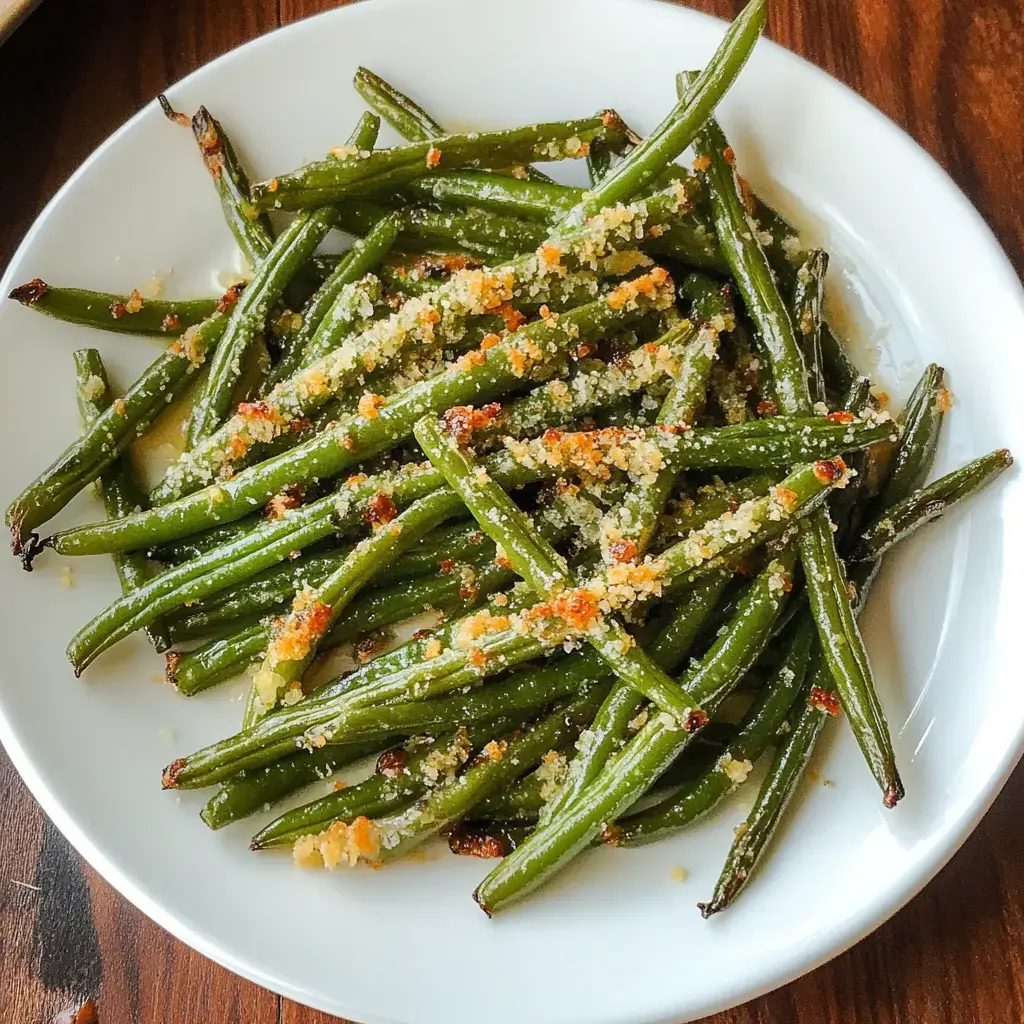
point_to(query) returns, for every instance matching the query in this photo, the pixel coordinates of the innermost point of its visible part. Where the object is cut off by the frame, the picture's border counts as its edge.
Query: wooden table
(951, 73)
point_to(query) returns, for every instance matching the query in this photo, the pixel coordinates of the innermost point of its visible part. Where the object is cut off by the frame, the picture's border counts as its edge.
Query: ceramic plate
(916, 277)
(12, 13)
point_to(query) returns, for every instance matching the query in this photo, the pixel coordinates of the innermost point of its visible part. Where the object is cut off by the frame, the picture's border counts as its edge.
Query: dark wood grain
(951, 72)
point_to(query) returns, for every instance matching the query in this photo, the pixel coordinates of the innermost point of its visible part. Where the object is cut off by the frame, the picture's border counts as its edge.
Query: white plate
(12, 13)
(615, 938)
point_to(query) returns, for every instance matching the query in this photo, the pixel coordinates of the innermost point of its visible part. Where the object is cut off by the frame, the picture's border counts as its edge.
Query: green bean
(460, 542)
(658, 743)
(352, 312)
(610, 728)
(460, 552)
(366, 131)
(217, 660)
(730, 379)
(265, 592)
(242, 558)
(523, 801)
(757, 731)
(280, 417)
(250, 792)
(447, 593)
(792, 758)
(294, 245)
(398, 833)
(402, 776)
(251, 228)
(780, 239)
(698, 556)
(415, 669)
(723, 541)
(543, 568)
(776, 791)
(845, 505)
(845, 653)
(844, 646)
(711, 502)
(359, 260)
(474, 233)
(752, 273)
(526, 800)
(689, 618)
(685, 238)
(503, 367)
(635, 520)
(352, 174)
(407, 117)
(927, 504)
(118, 491)
(467, 294)
(560, 403)
(184, 550)
(297, 638)
(417, 650)
(311, 337)
(110, 434)
(489, 235)
(498, 193)
(650, 158)
(220, 568)
(377, 795)
(126, 314)
(921, 422)
(759, 444)
(808, 317)
(450, 593)
(361, 716)
(524, 692)
(787, 256)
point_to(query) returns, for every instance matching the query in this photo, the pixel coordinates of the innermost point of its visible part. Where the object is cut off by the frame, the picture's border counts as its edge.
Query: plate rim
(855, 928)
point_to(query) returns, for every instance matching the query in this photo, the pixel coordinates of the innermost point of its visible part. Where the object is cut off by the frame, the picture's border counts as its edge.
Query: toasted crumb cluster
(296, 633)
(825, 700)
(441, 765)
(422, 321)
(474, 627)
(462, 421)
(551, 772)
(655, 286)
(593, 454)
(93, 388)
(573, 611)
(370, 404)
(735, 771)
(340, 843)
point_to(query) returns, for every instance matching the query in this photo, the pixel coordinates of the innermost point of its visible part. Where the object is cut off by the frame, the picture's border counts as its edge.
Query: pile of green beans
(615, 503)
